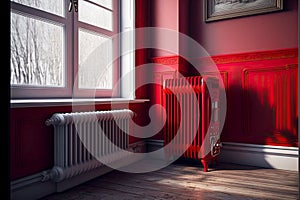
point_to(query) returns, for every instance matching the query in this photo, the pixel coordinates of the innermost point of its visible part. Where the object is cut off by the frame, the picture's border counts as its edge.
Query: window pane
(105, 3)
(95, 57)
(52, 6)
(95, 15)
(36, 52)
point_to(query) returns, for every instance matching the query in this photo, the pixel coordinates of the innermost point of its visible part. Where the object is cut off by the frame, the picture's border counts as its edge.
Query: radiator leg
(205, 164)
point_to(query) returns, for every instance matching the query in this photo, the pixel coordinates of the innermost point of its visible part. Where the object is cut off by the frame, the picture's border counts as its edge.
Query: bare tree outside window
(52, 6)
(36, 50)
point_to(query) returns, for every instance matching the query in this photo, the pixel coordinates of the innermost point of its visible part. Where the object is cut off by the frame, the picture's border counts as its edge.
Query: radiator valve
(56, 174)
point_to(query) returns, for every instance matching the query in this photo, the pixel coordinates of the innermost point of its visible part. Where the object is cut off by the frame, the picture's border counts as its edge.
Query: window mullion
(70, 49)
(75, 53)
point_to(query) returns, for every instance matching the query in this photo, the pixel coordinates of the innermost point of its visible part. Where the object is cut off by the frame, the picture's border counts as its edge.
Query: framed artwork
(225, 9)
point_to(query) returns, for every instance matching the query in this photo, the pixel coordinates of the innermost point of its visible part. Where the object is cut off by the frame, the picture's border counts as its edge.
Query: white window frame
(127, 62)
(127, 42)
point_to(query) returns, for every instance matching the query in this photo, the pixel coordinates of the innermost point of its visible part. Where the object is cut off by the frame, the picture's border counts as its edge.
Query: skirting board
(31, 187)
(277, 157)
(153, 145)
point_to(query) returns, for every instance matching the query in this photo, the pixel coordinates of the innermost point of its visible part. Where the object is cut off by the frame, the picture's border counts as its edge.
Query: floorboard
(185, 179)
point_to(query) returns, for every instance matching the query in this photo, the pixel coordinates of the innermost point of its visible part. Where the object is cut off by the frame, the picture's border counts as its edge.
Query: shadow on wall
(265, 115)
(259, 116)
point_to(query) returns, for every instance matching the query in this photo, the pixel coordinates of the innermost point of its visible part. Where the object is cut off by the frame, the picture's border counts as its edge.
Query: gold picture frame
(226, 9)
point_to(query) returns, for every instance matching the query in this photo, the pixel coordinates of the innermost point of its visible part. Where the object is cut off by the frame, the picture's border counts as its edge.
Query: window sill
(23, 103)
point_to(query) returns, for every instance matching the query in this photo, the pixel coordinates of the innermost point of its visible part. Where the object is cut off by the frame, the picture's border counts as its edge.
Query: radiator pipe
(58, 174)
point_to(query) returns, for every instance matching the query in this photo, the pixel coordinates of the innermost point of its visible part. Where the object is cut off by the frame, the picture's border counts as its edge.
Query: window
(57, 52)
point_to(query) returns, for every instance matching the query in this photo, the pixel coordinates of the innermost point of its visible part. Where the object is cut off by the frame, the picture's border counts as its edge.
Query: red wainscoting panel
(31, 140)
(270, 111)
(262, 95)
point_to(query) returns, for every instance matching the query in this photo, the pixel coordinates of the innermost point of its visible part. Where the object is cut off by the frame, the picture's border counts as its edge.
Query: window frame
(70, 25)
(103, 93)
(23, 92)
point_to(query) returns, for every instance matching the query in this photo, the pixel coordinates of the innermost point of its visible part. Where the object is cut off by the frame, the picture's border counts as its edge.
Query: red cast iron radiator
(192, 113)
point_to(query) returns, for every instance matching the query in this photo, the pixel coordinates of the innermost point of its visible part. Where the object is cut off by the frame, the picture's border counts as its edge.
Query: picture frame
(225, 9)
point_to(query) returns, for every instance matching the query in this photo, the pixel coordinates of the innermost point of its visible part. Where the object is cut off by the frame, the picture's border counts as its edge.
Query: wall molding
(273, 157)
(153, 145)
(167, 60)
(234, 58)
(276, 157)
(256, 56)
(31, 187)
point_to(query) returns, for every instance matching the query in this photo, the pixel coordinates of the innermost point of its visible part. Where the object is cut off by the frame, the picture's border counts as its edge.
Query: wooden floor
(186, 180)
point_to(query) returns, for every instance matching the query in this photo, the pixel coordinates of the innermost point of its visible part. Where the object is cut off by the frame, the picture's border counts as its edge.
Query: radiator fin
(74, 132)
(188, 106)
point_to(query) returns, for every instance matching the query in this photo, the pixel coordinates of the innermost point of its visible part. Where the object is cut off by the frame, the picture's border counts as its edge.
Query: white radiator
(81, 139)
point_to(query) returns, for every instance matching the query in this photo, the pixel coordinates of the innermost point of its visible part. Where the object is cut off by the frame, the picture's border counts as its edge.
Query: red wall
(258, 58)
(278, 30)
(166, 16)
